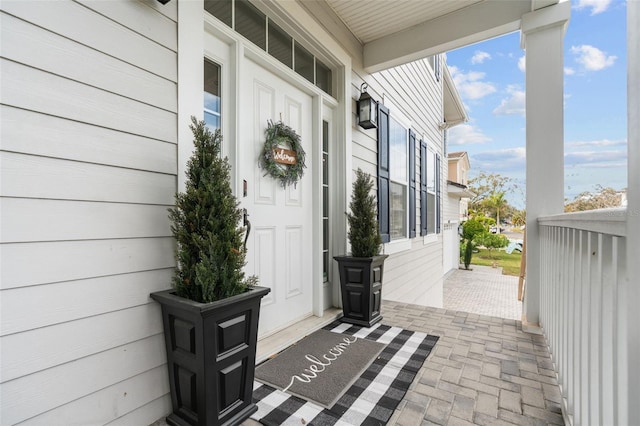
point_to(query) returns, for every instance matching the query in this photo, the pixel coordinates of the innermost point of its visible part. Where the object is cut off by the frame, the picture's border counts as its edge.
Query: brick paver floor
(483, 370)
(483, 290)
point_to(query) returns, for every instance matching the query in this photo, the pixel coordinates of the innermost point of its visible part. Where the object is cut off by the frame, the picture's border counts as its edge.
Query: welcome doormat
(320, 367)
(371, 399)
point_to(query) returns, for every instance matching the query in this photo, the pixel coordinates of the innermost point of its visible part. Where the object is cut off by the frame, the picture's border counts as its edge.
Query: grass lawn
(510, 263)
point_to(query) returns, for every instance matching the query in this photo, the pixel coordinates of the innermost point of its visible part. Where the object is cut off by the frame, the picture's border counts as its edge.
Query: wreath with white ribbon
(282, 155)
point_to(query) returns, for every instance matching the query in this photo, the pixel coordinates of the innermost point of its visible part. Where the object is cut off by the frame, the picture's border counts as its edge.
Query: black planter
(361, 286)
(211, 355)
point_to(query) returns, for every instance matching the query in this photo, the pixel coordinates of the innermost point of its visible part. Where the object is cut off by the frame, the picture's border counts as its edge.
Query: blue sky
(490, 79)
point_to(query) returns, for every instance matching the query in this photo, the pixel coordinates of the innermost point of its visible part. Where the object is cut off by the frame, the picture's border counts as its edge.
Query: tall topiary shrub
(470, 229)
(205, 223)
(364, 233)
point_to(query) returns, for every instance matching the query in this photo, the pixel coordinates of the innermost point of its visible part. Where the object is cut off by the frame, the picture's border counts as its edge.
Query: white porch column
(542, 34)
(631, 294)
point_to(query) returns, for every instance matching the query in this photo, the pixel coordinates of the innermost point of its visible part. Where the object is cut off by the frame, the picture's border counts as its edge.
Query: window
(221, 9)
(396, 178)
(212, 95)
(398, 184)
(323, 77)
(429, 191)
(303, 61)
(280, 45)
(249, 21)
(326, 262)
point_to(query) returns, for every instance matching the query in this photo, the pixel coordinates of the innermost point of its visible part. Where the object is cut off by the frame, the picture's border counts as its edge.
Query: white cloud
(465, 134)
(470, 85)
(569, 71)
(595, 158)
(514, 104)
(591, 58)
(602, 142)
(597, 6)
(500, 160)
(522, 63)
(479, 57)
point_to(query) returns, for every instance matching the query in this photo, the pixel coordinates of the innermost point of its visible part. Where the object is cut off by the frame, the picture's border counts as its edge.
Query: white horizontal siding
(37, 393)
(29, 88)
(74, 260)
(26, 220)
(66, 139)
(41, 348)
(136, 16)
(140, 400)
(28, 308)
(88, 163)
(41, 177)
(77, 22)
(39, 48)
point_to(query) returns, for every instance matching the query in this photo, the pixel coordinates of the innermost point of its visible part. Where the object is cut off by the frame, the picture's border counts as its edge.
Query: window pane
(398, 210)
(212, 121)
(212, 94)
(397, 151)
(221, 9)
(431, 171)
(280, 45)
(431, 213)
(323, 77)
(304, 62)
(251, 23)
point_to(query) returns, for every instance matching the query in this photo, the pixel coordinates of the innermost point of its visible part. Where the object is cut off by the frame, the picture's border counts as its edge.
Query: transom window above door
(253, 24)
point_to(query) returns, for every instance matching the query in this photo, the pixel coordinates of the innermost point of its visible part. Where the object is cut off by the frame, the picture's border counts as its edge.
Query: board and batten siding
(88, 169)
(414, 275)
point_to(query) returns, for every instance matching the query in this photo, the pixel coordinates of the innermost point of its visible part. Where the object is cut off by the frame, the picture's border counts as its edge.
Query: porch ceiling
(393, 32)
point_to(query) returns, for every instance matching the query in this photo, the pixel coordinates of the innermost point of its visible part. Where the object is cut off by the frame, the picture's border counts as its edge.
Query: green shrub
(364, 234)
(205, 223)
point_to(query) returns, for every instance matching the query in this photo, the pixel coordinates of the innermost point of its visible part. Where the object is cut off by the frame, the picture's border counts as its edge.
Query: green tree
(603, 198)
(497, 202)
(205, 224)
(364, 233)
(491, 191)
(490, 241)
(470, 229)
(519, 218)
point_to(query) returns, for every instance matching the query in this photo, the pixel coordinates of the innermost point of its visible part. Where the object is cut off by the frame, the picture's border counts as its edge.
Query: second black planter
(361, 287)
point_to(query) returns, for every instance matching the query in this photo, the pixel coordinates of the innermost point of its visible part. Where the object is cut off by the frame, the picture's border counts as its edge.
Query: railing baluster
(595, 284)
(609, 281)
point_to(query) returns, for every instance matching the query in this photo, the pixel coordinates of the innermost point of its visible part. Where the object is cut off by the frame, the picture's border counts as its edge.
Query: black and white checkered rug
(371, 400)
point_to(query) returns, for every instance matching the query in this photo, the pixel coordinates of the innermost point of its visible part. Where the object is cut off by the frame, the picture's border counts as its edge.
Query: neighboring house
(457, 206)
(457, 182)
(96, 101)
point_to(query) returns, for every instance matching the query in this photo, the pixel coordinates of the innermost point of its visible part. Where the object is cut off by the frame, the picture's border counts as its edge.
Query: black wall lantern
(367, 109)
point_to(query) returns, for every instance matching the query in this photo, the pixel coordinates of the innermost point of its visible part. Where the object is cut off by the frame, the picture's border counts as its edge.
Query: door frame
(191, 53)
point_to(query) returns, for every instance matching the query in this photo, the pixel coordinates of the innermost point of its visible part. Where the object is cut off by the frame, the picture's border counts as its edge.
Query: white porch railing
(583, 265)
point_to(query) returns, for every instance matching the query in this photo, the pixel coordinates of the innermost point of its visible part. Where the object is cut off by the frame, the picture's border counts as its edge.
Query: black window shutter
(383, 173)
(423, 188)
(412, 184)
(438, 193)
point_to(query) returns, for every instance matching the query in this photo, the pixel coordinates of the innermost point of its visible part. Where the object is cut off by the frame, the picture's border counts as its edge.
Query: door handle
(247, 224)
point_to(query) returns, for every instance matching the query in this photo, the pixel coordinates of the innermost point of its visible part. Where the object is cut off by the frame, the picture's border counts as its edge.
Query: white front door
(280, 247)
